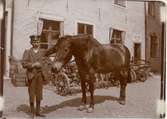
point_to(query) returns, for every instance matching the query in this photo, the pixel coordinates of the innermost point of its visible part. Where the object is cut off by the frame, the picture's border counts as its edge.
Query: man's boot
(38, 109)
(32, 109)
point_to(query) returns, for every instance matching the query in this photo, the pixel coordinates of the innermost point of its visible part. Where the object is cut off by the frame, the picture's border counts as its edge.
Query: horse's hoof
(122, 102)
(90, 110)
(82, 107)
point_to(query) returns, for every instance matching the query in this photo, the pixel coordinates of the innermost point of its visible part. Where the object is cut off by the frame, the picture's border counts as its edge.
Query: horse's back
(120, 50)
(125, 51)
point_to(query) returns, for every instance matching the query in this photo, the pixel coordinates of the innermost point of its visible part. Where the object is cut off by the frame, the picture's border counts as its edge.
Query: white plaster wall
(135, 26)
(103, 14)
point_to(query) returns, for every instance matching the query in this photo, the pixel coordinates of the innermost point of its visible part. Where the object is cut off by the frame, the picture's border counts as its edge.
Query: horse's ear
(59, 36)
(50, 51)
(65, 37)
(69, 37)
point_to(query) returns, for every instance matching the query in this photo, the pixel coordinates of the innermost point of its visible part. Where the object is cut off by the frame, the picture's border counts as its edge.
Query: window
(120, 2)
(116, 36)
(151, 8)
(153, 47)
(50, 33)
(85, 29)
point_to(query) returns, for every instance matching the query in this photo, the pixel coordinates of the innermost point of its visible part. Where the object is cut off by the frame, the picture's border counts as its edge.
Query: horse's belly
(108, 61)
(106, 68)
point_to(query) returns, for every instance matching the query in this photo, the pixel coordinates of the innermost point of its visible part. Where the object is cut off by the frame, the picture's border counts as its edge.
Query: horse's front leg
(91, 89)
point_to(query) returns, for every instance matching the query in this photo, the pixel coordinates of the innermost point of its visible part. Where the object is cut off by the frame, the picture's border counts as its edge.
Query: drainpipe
(146, 40)
(2, 52)
(163, 67)
(12, 28)
(163, 60)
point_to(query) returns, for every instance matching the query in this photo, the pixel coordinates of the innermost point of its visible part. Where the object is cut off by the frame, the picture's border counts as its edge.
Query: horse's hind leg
(122, 94)
(83, 86)
(123, 83)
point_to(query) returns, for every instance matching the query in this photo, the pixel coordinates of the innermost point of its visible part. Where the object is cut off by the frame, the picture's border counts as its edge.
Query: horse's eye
(66, 50)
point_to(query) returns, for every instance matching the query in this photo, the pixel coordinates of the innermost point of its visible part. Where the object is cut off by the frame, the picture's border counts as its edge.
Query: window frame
(151, 8)
(115, 39)
(44, 30)
(85, 27)
(117, 2)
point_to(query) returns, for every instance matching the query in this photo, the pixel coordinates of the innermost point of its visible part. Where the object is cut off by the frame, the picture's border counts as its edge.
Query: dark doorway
(137, 51)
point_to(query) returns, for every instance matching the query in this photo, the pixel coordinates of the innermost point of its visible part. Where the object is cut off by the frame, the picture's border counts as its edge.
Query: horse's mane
(80, 36)
(83, 40)
(83, 37)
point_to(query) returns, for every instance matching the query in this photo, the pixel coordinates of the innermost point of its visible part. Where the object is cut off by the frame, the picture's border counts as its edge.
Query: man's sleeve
(26, 63)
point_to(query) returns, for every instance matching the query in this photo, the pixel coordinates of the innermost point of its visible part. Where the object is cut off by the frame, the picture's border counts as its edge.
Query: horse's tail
(127, 53)
(129, 75)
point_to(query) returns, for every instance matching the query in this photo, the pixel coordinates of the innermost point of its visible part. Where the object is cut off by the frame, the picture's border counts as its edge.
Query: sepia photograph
(82, 59)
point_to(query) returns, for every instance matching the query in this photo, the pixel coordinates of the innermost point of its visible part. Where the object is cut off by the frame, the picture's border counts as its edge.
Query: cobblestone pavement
(141, 102)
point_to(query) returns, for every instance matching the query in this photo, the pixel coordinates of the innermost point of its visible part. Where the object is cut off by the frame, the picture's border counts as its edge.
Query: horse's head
(62, 52)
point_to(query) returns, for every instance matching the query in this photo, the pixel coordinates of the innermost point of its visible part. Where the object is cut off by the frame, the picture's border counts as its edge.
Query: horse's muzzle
(54, 70)
(57, 67)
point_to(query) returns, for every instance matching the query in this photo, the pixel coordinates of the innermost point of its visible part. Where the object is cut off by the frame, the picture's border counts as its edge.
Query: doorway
(137, 52)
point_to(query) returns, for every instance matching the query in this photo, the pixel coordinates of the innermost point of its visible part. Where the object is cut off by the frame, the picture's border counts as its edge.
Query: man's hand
(36, 65)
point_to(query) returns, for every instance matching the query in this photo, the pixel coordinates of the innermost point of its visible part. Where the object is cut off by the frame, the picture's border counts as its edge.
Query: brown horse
(92, 57)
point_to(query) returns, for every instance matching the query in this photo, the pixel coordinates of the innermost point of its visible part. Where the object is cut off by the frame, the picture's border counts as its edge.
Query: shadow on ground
(76, 102)
(24, 108)
(69, 103)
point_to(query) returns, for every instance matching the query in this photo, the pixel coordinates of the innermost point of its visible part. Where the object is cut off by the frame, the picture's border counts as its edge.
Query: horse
(92, 57)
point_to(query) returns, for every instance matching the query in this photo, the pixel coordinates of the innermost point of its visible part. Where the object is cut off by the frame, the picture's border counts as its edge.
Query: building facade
(153, 35)
(107, 20)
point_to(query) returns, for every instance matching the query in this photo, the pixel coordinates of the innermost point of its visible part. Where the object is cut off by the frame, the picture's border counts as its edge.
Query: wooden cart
(140, 70)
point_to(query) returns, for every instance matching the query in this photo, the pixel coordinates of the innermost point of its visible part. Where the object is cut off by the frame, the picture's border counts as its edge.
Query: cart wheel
(133, 76)
(143, 77)
(63, 84)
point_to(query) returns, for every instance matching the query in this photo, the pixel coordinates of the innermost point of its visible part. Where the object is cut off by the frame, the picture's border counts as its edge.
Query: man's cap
(34, 38)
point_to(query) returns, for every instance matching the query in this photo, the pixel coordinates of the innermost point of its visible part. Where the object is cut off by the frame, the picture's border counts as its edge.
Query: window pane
(80, 28)
(85, 29)
(43, 41)
(120, 2)
(117, 36)
(50, 33)
(89, 29)
(45, 25)
(151, 8)
(54, 24)
(55, 35)
(153, 49)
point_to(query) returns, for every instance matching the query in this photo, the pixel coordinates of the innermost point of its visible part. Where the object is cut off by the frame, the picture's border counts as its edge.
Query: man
(33, 62)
